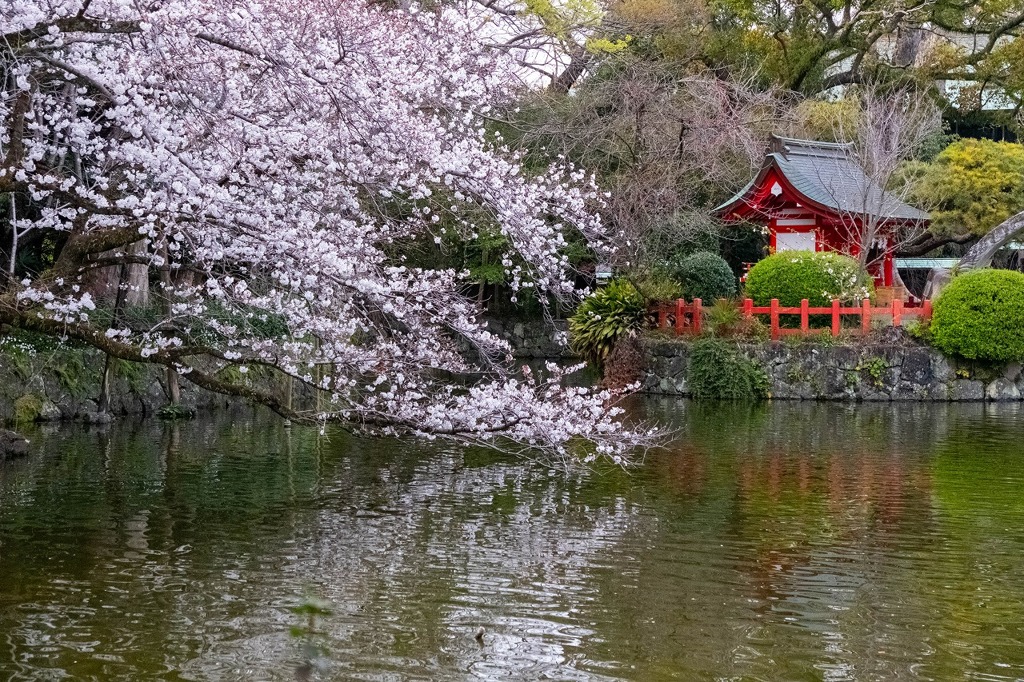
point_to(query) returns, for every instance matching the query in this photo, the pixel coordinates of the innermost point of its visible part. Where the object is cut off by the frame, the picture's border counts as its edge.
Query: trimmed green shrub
(704, 275)
(980, 316)
(718, 371)
(603, 318)
(792, 276)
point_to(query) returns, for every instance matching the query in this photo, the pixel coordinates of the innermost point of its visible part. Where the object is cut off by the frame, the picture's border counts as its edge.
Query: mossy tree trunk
(108, 366)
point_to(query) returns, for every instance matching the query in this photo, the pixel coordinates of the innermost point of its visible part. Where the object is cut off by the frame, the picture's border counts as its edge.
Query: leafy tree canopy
(971, 186)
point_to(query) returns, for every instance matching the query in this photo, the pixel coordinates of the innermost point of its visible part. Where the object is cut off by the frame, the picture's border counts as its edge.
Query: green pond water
(776, 542)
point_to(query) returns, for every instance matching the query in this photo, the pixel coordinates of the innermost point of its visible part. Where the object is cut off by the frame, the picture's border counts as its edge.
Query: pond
(772, 542)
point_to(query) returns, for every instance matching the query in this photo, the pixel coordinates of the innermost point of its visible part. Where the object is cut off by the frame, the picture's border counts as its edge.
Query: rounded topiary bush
(605, 317)
(820, 277)
(980, 316)
(704, 275)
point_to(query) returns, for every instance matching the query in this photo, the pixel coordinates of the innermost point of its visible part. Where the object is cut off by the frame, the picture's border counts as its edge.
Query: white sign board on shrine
(794, 241)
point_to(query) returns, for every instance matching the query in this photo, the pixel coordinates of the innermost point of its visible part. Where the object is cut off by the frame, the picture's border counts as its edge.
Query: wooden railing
(686, 318)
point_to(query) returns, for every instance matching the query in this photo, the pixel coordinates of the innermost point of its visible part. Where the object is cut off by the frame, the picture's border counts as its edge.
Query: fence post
(748, 308)
(805, 317)
(897, 312)
(865, 316)
(774, 316)
(680, 312)
(926, 309)
(836, 322)
(698, 313)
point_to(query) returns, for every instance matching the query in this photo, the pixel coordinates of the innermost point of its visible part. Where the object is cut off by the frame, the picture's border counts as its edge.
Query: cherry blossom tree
(269, 160)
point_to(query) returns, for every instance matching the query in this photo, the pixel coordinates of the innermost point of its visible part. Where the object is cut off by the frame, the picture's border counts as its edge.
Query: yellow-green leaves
(973, 186)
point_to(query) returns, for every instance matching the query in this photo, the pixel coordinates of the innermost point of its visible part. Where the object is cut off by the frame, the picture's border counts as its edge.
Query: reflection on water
(787, 541)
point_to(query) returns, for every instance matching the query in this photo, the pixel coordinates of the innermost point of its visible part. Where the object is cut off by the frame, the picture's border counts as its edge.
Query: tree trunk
(980, 255)
(105, 283)
(577, 65)
(173, 385)
(108, 367)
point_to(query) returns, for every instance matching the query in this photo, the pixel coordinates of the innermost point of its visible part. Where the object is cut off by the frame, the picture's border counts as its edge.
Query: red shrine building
(815, 196)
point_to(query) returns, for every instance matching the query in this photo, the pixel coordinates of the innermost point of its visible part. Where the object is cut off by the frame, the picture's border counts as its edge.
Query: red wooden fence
(685, 317)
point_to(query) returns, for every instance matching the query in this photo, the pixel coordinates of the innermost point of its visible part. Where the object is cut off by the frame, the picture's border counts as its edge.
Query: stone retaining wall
(533, 339)
(875, 372)
(64, 384)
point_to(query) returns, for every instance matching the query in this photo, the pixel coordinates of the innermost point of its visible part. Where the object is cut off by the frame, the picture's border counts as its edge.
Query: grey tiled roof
(829, 175)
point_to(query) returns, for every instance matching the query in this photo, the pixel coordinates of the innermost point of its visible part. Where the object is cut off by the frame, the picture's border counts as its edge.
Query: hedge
(980, 316)
(704, 275)
(820, 277)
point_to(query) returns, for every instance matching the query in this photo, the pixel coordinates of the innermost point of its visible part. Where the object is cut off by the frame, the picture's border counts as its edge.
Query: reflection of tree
(782, 542)
(828, 564)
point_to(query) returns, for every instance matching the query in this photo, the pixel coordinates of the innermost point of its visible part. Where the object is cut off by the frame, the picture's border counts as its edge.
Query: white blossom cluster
(275, 157)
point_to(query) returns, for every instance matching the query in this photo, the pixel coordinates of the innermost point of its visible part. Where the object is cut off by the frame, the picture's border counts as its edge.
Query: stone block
(917, 366)
(1002, 390)
(1012, 372)
(12, 445)
(942, 368)
(49, 412)
(908, 390)
(967, 389)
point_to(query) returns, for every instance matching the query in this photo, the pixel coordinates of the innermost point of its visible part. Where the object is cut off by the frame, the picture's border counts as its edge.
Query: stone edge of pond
(876, 371)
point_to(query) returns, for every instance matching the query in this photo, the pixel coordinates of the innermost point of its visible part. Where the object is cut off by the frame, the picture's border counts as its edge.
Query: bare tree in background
(890, 128)
(668, 147)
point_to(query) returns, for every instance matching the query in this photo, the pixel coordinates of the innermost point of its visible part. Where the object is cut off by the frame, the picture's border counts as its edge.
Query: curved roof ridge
(829, 175)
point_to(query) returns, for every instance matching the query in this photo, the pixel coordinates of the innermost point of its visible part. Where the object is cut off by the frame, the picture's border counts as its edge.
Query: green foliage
(311, 640)
(718, 371)
(820, 277)
(724, 317)
(27, 408)
(30, 354)
(17, 355)
(71, 371)
(175, 412)
(920, 330)
(605, 317)
(973, 186)
(874, 368)
(829, 120)
(704, 275)
(980, 315)
(132, 372)
(657, 285)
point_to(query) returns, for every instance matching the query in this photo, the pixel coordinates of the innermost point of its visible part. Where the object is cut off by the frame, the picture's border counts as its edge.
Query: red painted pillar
(836, 322)
(680, 314)
(698, 313)
(897, 312)
(865, 317)
(748, 308)
(926, 310)
(805, 317)
(774, 316)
